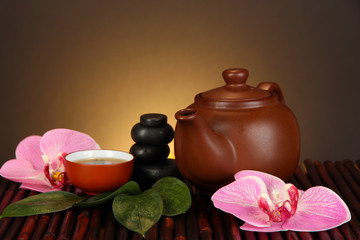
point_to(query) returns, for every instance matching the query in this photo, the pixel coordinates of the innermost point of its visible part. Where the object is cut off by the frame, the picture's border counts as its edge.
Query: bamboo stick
(322, 170)
(336, 235)
(291, 235)
(263, 236)
(53, 226)
(328, 182)
(276, 236)
(231, 226)
(166, 228)
(109, 228)
(16, 225)
(153, 233)
(305, 236)
(95, 224)
(20, 194)
(354, 226)
(323, 235)
(67, 225)
(347, 232)
(9, 198)
(302, 179)
(69, 220)
(122, 232)
(294, 181)
(205, 231)
(217, 224)
(249, 235)
(3, 186)
(82, 224)
(136, 236)
(344, 188)
(355, 173)
(355, 188)
(55, 222)
(311, 173)
(180, 232)
(10, 192)
(192, 223)
(41, 226)
(28, 227)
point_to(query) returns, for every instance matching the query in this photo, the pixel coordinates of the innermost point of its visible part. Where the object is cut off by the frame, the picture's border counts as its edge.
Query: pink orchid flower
(39, 163)
(266, 204)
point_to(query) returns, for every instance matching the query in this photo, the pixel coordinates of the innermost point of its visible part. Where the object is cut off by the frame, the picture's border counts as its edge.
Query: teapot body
(213, 140)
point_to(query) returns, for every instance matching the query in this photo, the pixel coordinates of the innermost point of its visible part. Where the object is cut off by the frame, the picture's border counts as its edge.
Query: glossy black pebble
(152, 135)
(153, 120)
(149, 154)
(147, 174)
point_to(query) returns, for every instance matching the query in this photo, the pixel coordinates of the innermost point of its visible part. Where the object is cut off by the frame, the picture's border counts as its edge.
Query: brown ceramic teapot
(233, 128)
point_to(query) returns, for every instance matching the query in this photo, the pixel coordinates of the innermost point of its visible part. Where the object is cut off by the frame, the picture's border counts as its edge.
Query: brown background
(96, 67)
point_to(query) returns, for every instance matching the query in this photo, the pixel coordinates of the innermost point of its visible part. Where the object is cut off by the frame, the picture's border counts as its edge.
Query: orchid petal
(240, 198)
(274, 184)
(29, 149)
(58, 141)
(22, 171)
(319, 209)
(275, 227)
(38, 187)
(301, 193)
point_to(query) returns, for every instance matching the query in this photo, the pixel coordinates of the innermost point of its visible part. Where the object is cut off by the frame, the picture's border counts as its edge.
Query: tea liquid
(100, 161)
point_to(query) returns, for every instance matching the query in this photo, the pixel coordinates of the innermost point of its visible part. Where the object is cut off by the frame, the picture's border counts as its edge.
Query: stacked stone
(152, 136)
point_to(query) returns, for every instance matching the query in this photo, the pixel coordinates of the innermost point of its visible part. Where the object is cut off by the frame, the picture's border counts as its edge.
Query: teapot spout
(195, 140)
(186, 115)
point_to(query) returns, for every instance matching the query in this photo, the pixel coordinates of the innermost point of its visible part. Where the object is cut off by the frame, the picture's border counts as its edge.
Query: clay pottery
(98, 177)
(236, 127)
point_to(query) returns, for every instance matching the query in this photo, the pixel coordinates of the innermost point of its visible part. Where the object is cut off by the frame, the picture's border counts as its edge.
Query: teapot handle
(273, 88)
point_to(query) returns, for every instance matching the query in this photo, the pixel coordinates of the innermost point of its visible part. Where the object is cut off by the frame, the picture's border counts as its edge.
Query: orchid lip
(280, 210)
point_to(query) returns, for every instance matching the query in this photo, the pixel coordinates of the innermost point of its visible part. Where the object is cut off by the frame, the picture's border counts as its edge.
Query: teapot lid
(235, 88)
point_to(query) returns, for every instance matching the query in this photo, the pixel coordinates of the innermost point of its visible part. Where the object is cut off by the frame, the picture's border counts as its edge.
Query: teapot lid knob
(235, 76)
(235, 88)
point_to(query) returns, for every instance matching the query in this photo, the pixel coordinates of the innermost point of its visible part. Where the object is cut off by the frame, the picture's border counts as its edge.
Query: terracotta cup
(97, 171)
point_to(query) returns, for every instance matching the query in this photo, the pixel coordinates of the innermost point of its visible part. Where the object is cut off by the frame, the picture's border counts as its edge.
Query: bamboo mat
(202, 221)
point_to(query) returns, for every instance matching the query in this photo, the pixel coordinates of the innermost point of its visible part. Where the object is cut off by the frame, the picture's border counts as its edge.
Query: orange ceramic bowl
(97, 171)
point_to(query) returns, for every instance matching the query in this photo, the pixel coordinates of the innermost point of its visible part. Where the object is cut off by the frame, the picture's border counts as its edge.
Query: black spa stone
(153, 120)
(149, 153)
(152, 135)
(147, 174)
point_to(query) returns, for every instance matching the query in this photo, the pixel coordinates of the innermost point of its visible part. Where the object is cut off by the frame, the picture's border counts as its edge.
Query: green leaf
(138, 212)
(175, 195)
(41, 203)
(128, 188)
